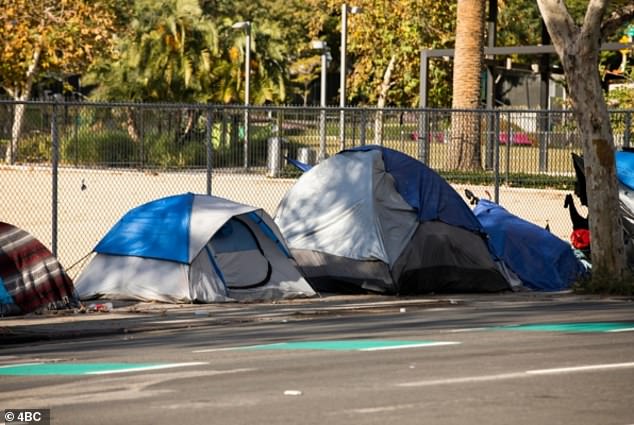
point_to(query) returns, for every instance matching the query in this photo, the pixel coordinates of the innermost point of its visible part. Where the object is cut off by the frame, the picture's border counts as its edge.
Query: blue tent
(625, 168)
(540, 259)
(192, 248)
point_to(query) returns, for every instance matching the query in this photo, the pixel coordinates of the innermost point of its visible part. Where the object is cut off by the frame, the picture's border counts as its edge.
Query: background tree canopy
(186, 50)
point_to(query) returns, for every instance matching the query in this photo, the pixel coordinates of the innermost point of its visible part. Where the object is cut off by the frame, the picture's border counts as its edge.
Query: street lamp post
(246, 26)
(342, 71)
(322, 48)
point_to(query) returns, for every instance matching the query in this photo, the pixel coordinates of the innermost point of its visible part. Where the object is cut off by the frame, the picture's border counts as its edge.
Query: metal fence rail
(79, 166)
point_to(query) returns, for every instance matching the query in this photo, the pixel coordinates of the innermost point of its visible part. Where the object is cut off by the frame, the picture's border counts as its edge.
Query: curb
(168, 318)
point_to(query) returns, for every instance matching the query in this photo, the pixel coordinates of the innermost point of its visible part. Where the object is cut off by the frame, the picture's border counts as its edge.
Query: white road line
(211, 350)
(242, 347)
(515, 375)
(401, 346)
(4, 366)
(144, 368)
(581, 368)
(197, 320)
(372, 410)
(464, 380)
(467, 330)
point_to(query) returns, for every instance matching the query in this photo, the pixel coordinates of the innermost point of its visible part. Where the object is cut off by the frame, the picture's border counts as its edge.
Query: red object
(580, 238)
(516, 139)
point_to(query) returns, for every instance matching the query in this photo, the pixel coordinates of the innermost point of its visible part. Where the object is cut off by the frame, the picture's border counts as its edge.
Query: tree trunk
(11, 154)
(465, 151)
(385, 86)
(21, 95)
(578, 49)
(132, 126)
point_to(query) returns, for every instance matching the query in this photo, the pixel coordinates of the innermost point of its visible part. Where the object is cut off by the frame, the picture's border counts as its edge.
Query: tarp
(540, 259)
(31, 278)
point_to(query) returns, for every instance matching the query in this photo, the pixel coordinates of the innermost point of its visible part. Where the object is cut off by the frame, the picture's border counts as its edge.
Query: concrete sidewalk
(131, 317)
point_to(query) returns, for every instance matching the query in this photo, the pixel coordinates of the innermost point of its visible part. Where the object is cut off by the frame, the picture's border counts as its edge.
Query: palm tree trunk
(465, 151)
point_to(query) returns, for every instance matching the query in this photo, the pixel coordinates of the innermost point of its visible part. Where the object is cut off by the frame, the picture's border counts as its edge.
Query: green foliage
(187, 51)
(278, 39)
(169, 55)
(165, 151)
(44, 37)
(621, 97)
(541, 181)
(105, 148)
(35, 147)
(384, 29)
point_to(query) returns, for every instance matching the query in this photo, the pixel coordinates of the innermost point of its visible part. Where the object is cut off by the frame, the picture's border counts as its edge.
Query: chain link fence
(77, 167)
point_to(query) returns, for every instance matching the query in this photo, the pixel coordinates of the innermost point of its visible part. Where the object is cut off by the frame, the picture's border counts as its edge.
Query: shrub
(109, 148)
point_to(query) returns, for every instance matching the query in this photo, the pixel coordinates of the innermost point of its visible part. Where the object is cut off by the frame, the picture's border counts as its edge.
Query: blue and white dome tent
(192, 248)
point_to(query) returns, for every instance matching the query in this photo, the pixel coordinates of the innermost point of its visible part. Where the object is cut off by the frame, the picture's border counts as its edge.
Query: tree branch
(594, 15)
(616, 20)
(560, 24)
(590, 37)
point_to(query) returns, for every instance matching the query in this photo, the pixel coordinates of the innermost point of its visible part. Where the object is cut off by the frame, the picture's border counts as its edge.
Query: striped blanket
(32, 277)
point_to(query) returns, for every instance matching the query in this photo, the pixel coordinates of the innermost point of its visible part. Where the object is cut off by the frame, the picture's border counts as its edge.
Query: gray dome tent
(373, 219)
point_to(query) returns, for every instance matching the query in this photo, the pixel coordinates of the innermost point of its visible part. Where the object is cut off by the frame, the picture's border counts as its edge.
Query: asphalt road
(478, 363)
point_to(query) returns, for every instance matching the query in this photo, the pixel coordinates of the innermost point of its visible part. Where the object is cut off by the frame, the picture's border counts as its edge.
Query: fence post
(342, 127)
(401, 132)
(275, 147)
(54, 171)
(423, 137)
(142, 136)
(490, 141)
(76, 123)
(322, 133)
(245, 146)
(509, 141)
(496, 157)
(543, 141)
(627, 133)
(209, 142)
(362, 129)
(223, 129)
(353, 126)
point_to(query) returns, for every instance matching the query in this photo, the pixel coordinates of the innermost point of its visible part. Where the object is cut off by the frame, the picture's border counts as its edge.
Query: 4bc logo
(27, 416)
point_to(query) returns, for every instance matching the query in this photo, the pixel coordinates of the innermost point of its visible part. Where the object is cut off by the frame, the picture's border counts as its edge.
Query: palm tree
(465, 133)
(169, 57)
(268, 72)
